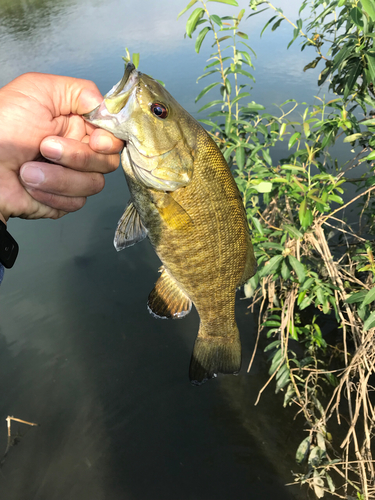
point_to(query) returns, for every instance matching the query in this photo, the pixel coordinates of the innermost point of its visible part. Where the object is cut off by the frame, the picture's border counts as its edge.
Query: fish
(186, 201)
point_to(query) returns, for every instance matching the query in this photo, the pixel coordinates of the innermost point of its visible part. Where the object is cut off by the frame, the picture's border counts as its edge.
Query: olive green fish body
(199, 231)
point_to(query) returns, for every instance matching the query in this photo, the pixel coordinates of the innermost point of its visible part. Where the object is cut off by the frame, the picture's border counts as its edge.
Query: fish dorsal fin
(130, 229)
(167, 300)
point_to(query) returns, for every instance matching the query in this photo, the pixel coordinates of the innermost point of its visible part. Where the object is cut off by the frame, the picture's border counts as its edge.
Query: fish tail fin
(213, 354)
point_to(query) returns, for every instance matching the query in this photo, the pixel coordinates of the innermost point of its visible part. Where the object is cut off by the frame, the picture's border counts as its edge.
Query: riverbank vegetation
(314, 289)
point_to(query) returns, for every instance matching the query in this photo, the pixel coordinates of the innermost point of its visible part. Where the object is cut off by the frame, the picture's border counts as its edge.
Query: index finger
(78, 155)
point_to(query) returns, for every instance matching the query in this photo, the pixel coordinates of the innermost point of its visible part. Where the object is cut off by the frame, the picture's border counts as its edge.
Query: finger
(58, 180)
(78, 155)
(105, 142)
(58, 205)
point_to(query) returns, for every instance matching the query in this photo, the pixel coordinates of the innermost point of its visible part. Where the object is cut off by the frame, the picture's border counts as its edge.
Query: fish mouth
(129, 68)
(114, 101)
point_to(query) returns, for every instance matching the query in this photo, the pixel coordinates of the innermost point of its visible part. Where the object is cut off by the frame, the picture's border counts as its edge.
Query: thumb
(73, 95)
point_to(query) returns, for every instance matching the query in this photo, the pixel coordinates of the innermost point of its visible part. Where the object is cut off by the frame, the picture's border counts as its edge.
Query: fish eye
(159, 110)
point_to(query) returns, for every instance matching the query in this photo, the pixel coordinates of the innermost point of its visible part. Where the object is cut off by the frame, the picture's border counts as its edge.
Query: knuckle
(80, 158)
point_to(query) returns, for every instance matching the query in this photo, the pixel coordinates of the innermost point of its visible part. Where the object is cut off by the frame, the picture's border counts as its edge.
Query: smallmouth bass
(184, 198)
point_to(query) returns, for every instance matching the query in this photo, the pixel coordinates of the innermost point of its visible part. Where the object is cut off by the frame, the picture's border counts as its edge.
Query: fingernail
(32, 175)
(104, 143)
(52, 150)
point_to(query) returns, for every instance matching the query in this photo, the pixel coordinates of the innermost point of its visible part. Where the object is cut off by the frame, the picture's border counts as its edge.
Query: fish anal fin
(213, 354)
(167, 300)
(130, 229)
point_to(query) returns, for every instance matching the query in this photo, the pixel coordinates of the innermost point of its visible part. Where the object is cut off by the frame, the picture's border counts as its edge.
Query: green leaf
(356, 16)
(352, 78)
(276, 361)
(210, 104)
(242, 35)
(257, 224)
(303, 450)
(246, 73)
(267, 24)
(307, 284)
(216, 70)
(352, 138)
(277, 24)
(302, 211)
(263, 187)
(228, 86)
(370, 297)
(312, 65)
(291, 167)
(200, 38)
(240, 157)
(371, 156)
(271, 266)
(240, 96)
(205, 90)
(294, 139)
(241, 14)
(216, 19)
(222, 39)
(285, 272)
(255, 107)
(266, 156)
(295, 35)
(187, 7)
(288, 395)
(371, 66)
(293, 231)
(228, 123)
(228, 2)
(273, 345)
(307, 219)
(135, 58)
(298, 267)
(369, 7)
(282, 377)
(331, 484)
(245, 57)
(370, 322)
(318, 482)
(193, 19)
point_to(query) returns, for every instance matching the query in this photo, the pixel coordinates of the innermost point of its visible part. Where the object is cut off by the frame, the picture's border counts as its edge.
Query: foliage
(311, 264)
(345, 28)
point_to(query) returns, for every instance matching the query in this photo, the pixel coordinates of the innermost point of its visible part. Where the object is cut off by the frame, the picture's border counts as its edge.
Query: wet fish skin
(184, 198)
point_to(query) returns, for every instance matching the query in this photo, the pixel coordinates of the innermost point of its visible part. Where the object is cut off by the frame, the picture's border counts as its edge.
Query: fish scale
(184, 198)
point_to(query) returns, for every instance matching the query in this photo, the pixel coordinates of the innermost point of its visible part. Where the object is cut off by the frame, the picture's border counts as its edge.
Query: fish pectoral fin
(172, 213)
(130, 229)
(167, 300)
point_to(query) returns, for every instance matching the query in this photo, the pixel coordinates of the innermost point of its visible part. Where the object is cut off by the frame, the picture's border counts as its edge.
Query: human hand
(40, 115)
